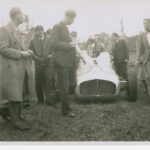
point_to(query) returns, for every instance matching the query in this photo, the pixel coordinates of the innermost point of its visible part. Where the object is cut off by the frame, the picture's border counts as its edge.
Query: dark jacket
(41, 50)
(64, 54)
(120, 51)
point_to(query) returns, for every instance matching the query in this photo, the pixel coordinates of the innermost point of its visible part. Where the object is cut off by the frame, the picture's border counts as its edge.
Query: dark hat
(146, 20)
(91, 39)
(39, 28)
(49, 31)
(70, 13)
(115, 34)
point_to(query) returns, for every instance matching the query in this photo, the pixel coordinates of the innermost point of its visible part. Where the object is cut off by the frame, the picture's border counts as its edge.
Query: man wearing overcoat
(15, 64)
(143, 56)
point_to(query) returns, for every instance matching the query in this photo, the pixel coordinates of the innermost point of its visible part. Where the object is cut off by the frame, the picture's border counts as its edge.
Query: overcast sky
(93, 16)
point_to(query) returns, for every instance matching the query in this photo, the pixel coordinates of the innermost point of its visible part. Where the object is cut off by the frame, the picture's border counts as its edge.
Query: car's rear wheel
(132, 84)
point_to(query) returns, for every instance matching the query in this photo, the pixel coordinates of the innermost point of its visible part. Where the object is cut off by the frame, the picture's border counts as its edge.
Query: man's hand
(30, 51)
(26, 54)
(137, 63)
(73, 44)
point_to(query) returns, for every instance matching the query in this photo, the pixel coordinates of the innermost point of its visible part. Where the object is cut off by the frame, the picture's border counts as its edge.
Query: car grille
(97, 87)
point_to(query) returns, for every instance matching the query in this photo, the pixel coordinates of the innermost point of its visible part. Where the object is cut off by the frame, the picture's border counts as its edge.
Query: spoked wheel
(132, 84)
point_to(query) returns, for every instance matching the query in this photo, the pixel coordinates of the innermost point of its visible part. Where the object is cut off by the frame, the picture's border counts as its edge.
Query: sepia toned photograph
(74, 71)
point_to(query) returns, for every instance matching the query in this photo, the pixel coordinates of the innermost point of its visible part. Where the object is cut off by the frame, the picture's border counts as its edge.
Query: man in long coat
(143, 56)
(120, 54)
(64, 59)
(15, 65)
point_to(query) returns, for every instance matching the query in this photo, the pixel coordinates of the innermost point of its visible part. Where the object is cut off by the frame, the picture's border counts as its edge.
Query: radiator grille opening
(97, 87)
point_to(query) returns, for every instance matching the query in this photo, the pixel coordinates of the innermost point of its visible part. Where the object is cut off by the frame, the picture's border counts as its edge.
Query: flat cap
(39, 28)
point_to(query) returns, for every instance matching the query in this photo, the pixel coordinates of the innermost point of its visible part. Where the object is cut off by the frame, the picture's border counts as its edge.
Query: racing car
(96, 79)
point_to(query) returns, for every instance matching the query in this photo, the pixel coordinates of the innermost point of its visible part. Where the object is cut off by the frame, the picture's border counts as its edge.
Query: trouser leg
(63, 84)
(14, 112)
(4, 112)
(123, 70)
(72, 80)
(148, 85)
(116, 64)
(39, 83)
(15, 109)
(49, 85)
(26, 101)
(144, 85)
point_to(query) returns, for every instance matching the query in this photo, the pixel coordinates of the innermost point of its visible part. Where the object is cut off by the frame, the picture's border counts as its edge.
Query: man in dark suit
(120, 55)
(64, 59)
(143, 56)
(44, 75)
(15, 63)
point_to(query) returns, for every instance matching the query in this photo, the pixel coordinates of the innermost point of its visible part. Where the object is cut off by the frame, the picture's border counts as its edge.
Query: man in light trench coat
(15, 64)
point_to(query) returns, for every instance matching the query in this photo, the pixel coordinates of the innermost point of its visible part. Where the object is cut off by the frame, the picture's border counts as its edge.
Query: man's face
(39, 33)
(146, 25)
(113, 38)
(69, 20)
(74, 35)
(20, 18)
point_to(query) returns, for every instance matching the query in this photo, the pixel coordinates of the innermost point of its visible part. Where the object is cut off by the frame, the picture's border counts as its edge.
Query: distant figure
(16, 63)
(48, 33)
(98, 48)
(143, 56)
(43, 66)
(90, 47)
(74, 35)
(64, 59)
(120, 56)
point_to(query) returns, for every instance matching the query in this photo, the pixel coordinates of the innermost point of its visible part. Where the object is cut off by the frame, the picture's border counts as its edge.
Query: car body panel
(97, 74)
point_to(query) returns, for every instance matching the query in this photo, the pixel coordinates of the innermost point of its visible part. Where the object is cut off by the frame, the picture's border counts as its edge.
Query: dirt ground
(116, 121)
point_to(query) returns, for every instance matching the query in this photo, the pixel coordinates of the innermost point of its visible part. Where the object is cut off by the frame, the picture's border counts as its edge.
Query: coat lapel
(19, 40)
(17, 36)
(146, 41)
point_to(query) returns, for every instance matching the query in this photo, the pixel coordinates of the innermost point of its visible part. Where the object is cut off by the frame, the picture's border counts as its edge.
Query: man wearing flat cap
(64, 59)
(143, 56)
(15, 65)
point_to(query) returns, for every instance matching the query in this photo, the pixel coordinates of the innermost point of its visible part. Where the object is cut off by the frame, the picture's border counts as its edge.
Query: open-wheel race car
(96, 79)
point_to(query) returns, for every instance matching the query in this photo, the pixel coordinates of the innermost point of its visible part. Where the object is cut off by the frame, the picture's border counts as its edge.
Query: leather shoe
(69, 114)
(53, 105)
(21, 125)
(5, 117)
(5, 114)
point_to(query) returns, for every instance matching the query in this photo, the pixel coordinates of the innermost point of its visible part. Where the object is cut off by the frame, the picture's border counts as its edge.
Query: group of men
(16, 67)
(54, 55)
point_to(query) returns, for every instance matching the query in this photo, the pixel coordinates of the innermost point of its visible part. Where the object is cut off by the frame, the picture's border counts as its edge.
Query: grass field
(117, 121)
